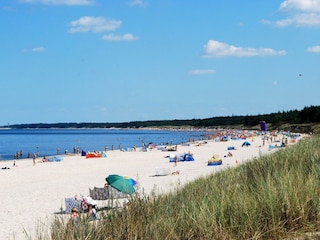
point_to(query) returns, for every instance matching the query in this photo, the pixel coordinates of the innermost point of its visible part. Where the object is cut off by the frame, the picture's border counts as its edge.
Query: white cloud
(301, 5)
(35, 49)
(220, 49)
(300, 13)
(307, 19)
(315, 49)
(124, 37)
(139, 3)
(202, 71)
(60, 2)
(38, 49)
(93, 24)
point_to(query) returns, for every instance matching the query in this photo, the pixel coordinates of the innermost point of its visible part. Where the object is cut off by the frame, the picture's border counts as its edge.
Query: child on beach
(92, 213)
(73, 222)
(74, 216)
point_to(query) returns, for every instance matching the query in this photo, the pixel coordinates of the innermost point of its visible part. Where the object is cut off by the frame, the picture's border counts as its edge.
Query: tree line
(308, 115)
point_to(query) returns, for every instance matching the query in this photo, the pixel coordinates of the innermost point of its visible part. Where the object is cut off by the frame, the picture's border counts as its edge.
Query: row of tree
(307, 115)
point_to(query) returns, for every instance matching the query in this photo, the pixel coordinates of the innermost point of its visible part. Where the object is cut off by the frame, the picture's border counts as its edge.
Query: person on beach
(74, 215)
(34, 159)
(73, 222)
(175, 160)
(92, 213)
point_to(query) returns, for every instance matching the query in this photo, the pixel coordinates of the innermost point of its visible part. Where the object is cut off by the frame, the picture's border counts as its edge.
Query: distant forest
(305, 120)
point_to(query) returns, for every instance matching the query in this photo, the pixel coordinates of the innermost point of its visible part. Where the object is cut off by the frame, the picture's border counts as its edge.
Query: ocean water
(48, 142)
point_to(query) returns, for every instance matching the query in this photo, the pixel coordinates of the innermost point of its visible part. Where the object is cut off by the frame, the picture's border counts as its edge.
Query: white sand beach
(31, 195)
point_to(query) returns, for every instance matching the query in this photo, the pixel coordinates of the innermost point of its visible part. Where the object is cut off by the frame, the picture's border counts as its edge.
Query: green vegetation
(307, 120)
(272, 197)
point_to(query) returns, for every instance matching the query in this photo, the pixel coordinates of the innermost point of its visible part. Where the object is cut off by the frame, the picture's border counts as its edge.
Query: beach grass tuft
(275, 196)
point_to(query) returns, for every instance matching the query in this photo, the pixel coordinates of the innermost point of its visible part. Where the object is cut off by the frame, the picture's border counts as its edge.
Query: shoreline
(51, 142)
(33, 194)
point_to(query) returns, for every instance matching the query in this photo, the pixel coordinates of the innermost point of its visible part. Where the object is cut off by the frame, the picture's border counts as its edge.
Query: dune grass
(271, 197)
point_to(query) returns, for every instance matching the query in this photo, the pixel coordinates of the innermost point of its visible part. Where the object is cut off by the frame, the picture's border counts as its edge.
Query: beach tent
(215, 160)
(224, 138)
(96, 154)
(246, 143)
(93, 155)
(188, 157)
(181, 157)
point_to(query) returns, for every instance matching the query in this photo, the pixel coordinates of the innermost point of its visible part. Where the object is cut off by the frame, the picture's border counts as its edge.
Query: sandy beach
(33, 195)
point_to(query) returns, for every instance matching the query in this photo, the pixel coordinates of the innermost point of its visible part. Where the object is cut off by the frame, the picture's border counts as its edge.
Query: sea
(21, 143)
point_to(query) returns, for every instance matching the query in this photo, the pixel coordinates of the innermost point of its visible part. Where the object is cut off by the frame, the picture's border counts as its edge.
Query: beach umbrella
(120, 183)
(131, 180)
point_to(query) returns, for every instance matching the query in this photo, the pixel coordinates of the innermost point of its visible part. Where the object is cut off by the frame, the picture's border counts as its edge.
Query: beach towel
(55, 159)
(72, 203)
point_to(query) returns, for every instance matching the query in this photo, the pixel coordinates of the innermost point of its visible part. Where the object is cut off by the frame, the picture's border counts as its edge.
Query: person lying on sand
(175, 173)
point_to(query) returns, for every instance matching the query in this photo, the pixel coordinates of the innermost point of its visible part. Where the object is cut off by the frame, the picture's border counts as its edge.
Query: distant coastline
(304, 121)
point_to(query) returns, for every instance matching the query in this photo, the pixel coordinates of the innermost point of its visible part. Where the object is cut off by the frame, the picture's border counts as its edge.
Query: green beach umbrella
(120, 183)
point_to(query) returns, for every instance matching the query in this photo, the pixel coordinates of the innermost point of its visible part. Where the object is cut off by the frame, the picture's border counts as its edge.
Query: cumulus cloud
(93, 24)
(60, 2)
(139, 3)
(219, 49)
(202, 71)
(301, 5)
(300, 13)
(124, 37)
(315, 49)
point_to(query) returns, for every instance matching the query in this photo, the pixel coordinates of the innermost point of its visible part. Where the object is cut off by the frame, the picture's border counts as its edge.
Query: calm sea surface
(47, 142)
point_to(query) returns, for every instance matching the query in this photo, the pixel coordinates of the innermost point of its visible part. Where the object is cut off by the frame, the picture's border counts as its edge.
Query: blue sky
(138, 60)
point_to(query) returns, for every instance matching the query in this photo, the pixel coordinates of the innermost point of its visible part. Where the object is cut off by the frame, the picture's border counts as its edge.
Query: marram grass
(272, 197)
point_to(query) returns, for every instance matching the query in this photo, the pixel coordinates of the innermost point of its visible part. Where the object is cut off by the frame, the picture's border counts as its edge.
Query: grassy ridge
(272, 197)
